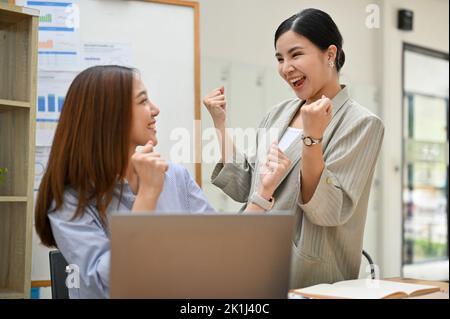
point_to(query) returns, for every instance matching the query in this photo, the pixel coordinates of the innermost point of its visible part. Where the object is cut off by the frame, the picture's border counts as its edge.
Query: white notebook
(364, 289)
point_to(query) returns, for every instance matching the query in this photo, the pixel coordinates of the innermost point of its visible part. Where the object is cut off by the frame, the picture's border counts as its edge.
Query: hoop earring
(331, 64)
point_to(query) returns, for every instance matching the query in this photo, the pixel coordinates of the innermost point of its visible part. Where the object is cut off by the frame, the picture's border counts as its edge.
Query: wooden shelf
(7, 103)
(18, 74)
(11, 294)
(16, 9)
(14, 141)
(16, 63)
(13, 199)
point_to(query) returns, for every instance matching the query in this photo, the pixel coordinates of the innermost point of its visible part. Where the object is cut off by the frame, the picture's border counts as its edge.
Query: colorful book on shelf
(364, 289)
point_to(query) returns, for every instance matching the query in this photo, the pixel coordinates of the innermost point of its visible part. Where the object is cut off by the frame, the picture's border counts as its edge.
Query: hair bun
(340, 59)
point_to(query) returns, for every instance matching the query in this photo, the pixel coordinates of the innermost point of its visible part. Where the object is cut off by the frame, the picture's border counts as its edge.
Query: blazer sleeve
(235, 179)
(348, 167)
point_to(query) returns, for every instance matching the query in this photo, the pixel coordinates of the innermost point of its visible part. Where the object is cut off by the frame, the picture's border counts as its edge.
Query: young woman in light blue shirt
(94, 169)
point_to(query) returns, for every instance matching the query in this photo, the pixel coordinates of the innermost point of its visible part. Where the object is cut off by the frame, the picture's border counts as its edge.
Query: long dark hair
(91, 144)
(318, 27)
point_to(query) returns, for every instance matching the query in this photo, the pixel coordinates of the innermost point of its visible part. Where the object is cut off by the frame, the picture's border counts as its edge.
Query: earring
(331, 64)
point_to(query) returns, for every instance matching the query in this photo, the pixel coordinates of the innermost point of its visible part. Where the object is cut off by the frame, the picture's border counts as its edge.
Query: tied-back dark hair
(318, 27)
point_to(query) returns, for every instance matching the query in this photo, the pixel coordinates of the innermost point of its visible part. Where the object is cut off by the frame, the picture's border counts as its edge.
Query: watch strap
(262, 202)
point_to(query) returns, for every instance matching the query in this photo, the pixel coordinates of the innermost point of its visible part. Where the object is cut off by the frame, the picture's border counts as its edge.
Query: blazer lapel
(340, 99)
(338, 102)
(280, 125)
(286, 118)
(293, 152)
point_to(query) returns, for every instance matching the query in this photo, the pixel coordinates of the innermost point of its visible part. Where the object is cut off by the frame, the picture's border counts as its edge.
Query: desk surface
(442, 294)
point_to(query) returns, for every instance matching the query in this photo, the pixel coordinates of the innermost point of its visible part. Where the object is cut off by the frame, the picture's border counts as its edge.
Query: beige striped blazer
(329, 228)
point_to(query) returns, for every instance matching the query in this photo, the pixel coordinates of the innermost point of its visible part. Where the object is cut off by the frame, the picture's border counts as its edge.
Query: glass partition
(425, 164)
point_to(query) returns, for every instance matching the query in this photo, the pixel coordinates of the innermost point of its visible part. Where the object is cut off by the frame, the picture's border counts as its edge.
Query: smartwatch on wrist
(261, 201)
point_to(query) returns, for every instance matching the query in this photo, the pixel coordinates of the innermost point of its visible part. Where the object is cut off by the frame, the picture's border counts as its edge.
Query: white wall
(243, 30)
(431, 30)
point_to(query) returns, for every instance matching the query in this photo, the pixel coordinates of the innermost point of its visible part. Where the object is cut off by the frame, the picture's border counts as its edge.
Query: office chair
(58, 275)
(372, 265)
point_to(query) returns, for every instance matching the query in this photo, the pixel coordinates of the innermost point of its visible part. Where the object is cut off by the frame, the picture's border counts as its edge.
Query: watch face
(307, 141)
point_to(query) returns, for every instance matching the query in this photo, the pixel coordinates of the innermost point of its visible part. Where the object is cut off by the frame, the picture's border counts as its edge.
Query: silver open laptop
(200, 256)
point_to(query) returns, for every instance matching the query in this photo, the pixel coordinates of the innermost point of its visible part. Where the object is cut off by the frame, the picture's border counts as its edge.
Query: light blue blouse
(84, 241)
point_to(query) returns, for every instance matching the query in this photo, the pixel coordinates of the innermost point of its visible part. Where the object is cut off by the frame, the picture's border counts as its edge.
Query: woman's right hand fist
(216, 104)
(273, 170)
(150, 168)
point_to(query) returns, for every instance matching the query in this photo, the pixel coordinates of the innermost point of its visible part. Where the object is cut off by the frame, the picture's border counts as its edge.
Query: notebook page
(333, 291)
(383, 285)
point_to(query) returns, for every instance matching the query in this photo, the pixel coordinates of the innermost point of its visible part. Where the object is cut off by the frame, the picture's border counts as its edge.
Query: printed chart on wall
(104, 53)
(59, 40)
(52, 89)
(58, 63)
(61, 56)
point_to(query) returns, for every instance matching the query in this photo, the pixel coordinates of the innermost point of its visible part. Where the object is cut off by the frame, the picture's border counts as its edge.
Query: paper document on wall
(59, 39)
(52, 89)
(42, 154)
(102, 53)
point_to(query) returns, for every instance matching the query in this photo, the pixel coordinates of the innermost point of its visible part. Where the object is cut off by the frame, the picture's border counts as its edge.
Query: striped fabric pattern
(327, 245)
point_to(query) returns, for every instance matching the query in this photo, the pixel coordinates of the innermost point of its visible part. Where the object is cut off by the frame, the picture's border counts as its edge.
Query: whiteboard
(164, 38)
